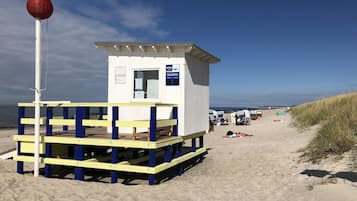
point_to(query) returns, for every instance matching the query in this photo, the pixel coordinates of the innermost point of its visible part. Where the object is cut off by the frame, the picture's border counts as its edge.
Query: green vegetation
(337, 118)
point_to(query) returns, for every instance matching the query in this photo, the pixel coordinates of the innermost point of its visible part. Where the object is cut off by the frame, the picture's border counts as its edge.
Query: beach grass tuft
(337, 118)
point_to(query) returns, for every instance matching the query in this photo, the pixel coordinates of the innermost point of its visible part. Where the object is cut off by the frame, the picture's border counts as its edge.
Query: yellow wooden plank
(31, 121)
(105, 117)
(99, 104)
(132, 104)
(25, 138)
(90, 141)
(121, 166)
(28, 147)
(170, 141)
(137, 123)
(25, 158)
(166, 105)
(193, 135)
(130, 162)
(124, 167)
(146, 123)
(26, 104)
(87, 122)
(60, 122)
(176, 161)
(101, 141)
(165, 122)
(100, 165)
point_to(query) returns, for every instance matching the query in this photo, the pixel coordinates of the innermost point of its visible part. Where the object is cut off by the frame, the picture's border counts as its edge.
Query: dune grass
(337, 117)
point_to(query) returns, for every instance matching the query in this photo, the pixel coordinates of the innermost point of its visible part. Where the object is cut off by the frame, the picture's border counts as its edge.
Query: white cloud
(76, 69)
(141, 17)
(134, 15)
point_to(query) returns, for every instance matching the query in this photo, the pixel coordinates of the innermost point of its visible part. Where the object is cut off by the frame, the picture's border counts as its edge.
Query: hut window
(146, 84)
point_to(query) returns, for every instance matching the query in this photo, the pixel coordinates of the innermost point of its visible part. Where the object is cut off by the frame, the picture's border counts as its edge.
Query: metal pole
(37, 96)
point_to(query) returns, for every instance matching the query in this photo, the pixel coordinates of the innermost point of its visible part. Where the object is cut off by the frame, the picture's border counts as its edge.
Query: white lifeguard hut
(175, 73)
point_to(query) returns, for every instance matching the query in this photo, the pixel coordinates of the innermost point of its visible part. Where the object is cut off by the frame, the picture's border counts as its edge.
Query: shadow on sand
(350, 176)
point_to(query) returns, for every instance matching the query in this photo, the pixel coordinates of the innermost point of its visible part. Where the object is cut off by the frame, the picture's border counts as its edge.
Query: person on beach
(231, 134)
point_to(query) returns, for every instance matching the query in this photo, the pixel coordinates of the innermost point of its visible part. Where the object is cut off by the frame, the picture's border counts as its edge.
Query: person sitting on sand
(231, 134)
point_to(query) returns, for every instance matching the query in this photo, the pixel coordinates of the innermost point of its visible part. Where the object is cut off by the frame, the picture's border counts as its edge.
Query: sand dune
(263, 167)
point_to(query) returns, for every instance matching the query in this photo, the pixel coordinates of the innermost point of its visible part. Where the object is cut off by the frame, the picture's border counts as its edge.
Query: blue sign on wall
(172, 75)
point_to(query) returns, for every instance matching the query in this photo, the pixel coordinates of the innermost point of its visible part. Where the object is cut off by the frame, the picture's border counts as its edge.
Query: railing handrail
(99, 104)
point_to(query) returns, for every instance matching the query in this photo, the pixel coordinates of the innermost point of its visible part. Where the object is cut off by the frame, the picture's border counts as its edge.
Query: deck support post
(152, 153)
(201, 146)
(65, 116)
(193, 144)
(115, 135)
(79, 149)
(48, 153)
(178, 147)
(100, 113)
(168, 153)
(20, 131)
(178, 154)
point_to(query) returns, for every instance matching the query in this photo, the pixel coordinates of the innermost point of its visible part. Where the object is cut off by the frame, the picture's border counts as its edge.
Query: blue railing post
(177, 147)
(65, 116)
(20, 131)
(201, 146)
(194, 144)
(115, 135)
(100, 113)
(152, 123)
(152, 152)
(48, 153)
(79, 149)
(179, 153)
(175, 116)
(86, 113)
(201, 141)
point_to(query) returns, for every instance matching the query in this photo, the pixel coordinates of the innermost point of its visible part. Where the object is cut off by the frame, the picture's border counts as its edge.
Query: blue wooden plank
(101, 113)
(115, 157)
(115, 117)
(175, 116)
(115, 150)
(193, 145)
(21, 114)
(201, 141)
(179, 153)
(48, 152)
(152, 153)
(168, 153)
(152, 123)
(79, 149)
(201, 145)
(20, 131)
(152, 161)
(65, 116)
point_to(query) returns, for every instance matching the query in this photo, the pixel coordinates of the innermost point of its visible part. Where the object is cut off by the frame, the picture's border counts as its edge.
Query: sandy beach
(265, 167)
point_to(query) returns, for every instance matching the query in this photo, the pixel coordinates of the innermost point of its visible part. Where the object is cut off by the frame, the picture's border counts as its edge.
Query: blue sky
(272, 52)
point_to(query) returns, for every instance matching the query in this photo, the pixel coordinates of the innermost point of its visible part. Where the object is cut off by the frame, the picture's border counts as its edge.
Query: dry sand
(263, 167)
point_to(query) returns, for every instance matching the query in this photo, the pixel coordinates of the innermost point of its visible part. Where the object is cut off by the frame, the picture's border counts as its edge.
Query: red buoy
(40, 9)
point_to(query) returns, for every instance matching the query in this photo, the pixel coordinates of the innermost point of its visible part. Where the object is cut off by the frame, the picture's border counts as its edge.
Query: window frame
(133, 85)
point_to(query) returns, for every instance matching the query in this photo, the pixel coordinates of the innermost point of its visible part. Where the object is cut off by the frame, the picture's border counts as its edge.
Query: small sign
(172, 75)
(120, 74)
